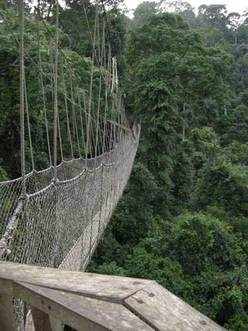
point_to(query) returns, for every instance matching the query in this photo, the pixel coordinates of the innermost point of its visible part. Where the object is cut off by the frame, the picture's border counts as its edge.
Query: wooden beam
(109, 288)
(79, 312)
(96, 302)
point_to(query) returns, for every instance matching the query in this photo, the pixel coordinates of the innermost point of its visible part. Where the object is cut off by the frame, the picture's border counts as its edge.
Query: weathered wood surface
(7, 317)
(95, 302)
(41, 320)
(81, 313)
(164, 311)
(111, 288)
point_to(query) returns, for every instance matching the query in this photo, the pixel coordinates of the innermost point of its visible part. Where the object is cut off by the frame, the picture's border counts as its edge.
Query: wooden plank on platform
(164, 311)
(77, 311)
(110, 288)
(96, 302)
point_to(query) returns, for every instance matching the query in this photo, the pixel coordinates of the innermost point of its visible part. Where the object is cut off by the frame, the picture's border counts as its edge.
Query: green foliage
(183, 220)
(143, 12)
(199, 241)
(228, 184)
(3, 174)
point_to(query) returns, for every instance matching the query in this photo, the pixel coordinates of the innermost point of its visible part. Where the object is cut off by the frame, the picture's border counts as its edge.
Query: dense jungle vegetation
(183, 220)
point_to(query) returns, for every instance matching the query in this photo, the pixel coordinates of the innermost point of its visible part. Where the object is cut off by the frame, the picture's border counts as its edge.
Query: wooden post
(7, 317)
(56, 324)
(41, 320)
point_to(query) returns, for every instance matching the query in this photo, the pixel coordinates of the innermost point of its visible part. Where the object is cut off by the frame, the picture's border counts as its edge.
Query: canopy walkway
(52, 217)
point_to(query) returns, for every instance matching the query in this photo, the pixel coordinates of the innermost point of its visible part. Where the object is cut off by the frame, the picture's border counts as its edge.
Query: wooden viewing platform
(85, 301)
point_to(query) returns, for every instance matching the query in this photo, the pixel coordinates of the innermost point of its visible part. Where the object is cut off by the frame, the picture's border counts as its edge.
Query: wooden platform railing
(85, 301)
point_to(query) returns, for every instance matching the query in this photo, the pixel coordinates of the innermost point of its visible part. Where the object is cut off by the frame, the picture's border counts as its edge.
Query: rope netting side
(52, 224)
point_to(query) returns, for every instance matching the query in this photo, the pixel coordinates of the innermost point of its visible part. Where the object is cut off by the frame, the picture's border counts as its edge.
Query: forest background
(183, 220)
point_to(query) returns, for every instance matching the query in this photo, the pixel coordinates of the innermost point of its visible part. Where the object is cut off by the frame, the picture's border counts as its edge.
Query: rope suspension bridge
(54, 214)
(54, 217)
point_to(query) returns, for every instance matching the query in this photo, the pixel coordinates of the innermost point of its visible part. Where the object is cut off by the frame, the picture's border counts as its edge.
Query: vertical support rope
(55, 120)
(74, 122)
(44, 99)
(22, 96)
(100, 86)
(88, 142)
(28, 123)
(55, 132)
(60, 139)
(67, 113)
(81, 120)
(108, 133)
(105, 65)
(86, 118)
